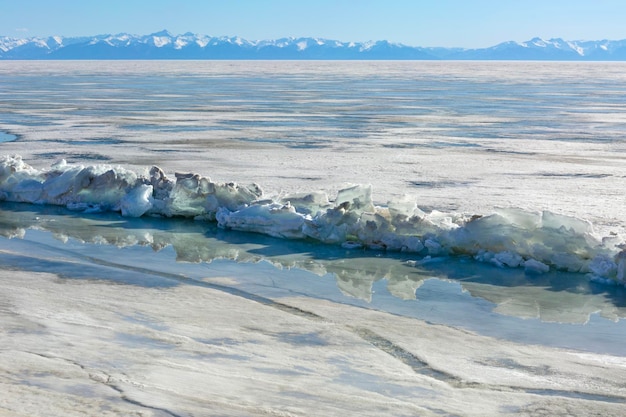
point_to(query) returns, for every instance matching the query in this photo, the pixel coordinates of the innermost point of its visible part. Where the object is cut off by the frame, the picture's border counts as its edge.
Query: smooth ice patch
(7, 137)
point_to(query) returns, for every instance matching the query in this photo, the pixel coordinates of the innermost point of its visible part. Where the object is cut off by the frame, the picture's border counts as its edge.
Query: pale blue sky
(463, 23)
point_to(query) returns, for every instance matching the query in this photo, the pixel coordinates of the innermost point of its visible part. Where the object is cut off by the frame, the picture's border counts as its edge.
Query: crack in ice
(107, 382)
(422, 367)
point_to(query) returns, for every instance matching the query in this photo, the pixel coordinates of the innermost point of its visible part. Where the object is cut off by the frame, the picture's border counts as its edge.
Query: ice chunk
(567, 261)
(137, 201)
(341, 223)
(434, 247)
(233, 196)
(507, 258)
(532, 266)
(602, 266)
(404, 208)
(493, 233)
(9, 165)
(357, 198)
(328, 228)
(308, 203)
(161, 185)
(412, 244)
(372, 228)
(621, 266)
(27, 190)
(195, 196)
(572, 225)
(60, 181)
(274, 219)
(189, 195)
(520, 218)
(394, 242)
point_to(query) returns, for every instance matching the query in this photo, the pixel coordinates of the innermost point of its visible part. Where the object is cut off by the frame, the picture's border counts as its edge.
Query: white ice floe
(536, 241)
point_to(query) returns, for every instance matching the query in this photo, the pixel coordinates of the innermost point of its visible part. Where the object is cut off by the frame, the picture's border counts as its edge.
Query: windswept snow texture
(535, 241)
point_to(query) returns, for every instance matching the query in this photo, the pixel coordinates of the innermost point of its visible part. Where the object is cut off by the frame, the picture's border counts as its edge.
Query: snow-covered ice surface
(475, 258)
(461, 136)
(98, 319)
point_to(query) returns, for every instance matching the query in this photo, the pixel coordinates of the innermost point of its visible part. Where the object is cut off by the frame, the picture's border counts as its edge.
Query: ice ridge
(535, 241)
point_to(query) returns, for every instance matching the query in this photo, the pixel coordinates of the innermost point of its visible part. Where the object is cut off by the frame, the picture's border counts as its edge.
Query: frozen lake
(463, 136)
(110, 315)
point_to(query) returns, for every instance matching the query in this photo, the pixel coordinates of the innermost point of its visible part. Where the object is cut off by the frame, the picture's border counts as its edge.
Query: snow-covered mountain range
(164, 45)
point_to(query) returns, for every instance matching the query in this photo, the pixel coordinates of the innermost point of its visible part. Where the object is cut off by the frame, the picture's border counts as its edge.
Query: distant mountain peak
(162, 33)
(165, 45)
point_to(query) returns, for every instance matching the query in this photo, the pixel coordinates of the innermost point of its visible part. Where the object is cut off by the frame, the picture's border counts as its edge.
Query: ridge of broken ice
(535, 241)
